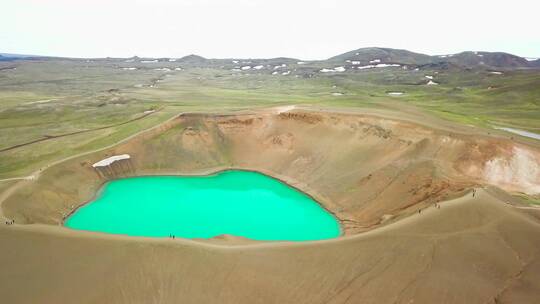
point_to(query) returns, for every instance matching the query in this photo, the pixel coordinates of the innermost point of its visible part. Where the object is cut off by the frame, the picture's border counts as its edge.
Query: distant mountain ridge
(463, 59)
(359, 57)
(374, 54)
(11, 57)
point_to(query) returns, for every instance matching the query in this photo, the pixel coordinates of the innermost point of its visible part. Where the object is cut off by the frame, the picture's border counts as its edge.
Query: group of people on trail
(10, 222)
(438, 206)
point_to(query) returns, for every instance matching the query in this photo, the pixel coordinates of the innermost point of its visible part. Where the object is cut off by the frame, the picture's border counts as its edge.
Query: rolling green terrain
(71, 106)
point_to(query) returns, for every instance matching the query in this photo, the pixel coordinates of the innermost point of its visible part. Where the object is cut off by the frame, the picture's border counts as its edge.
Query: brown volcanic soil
(370, 171)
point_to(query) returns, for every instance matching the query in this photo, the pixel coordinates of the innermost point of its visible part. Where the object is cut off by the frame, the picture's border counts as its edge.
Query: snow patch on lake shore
(108, 161)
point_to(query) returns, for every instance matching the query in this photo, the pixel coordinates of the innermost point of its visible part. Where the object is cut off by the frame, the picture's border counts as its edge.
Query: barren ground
(373, 169)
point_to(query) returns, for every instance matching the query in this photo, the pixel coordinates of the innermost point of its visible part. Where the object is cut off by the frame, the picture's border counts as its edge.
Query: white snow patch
(380, 65)
(530, 59)
(301, 62)
(429, 77)
(395, 93)
(286, 73)
(129, 69)
(129, 60)
(355, 62)
(245, 68)
(284, 109)
(521, 171)
(365, 67)
(375, 61)
(149, 61)
(385, 65)
(274, 73)
(108, 161)
(172, 59)
(149, 111)
(258, 67)
(431, 82)
(336, 69)
(496, 73)
(337, 94)
(178, 69)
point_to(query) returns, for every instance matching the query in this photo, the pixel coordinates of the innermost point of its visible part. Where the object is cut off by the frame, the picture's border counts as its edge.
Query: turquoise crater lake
(239, 203)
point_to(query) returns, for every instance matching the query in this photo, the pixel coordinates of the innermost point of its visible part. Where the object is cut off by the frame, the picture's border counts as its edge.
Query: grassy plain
(58, 96)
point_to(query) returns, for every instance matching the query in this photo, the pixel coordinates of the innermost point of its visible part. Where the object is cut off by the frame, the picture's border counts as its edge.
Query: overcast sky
(305, 29)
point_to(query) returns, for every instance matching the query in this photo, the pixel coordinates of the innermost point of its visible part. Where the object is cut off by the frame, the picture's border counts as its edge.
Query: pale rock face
(520, 170)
